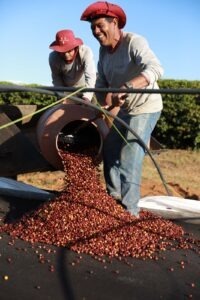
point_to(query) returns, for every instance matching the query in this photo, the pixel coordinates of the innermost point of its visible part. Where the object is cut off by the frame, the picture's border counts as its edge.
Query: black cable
(50, 90)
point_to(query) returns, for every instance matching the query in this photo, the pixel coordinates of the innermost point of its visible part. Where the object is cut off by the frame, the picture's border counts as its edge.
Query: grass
(180, 168)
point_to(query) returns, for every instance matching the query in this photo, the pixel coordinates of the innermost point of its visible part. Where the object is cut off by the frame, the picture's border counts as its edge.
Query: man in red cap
(125, 61)
(72, 63)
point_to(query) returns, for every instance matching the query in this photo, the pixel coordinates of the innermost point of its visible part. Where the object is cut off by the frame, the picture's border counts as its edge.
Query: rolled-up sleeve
(89, 71)
(56, 75)
(145, 57)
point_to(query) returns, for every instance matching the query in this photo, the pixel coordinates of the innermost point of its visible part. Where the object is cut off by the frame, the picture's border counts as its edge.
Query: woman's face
(69, 55)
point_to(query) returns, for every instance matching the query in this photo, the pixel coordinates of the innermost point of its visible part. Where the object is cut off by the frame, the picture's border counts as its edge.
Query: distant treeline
(178, 127)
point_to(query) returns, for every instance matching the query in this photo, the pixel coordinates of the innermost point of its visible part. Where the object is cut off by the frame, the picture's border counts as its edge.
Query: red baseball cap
(65, 41)
(102, 8)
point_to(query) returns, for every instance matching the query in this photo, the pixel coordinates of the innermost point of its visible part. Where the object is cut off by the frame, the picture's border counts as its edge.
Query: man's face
(104, 30)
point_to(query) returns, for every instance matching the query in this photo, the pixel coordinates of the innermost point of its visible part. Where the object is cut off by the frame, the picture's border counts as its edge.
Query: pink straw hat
(65, 41)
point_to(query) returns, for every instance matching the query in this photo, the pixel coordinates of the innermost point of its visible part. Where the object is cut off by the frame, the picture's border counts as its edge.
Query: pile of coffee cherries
(85, 219)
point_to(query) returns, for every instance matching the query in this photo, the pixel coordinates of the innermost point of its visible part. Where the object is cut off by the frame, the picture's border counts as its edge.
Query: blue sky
(172, 28)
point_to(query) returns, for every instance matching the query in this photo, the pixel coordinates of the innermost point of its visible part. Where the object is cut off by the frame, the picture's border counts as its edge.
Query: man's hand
(118, 99)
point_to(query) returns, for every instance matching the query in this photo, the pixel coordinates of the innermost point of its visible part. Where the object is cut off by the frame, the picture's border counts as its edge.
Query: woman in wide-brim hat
(71, 62)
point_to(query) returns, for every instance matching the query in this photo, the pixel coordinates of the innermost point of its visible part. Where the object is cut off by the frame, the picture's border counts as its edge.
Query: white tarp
(170, 207)
(13, 188)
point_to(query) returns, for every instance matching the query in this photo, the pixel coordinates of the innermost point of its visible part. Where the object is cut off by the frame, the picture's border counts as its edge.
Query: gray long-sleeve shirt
(80, 73)
(133, 57)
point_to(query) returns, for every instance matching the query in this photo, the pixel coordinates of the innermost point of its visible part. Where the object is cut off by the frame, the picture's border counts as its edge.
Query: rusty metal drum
(64, 119)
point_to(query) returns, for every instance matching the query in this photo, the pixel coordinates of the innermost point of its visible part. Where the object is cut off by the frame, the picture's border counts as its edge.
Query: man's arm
(144, 56)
